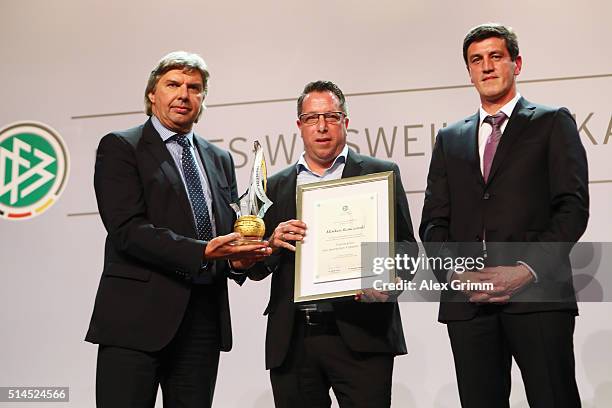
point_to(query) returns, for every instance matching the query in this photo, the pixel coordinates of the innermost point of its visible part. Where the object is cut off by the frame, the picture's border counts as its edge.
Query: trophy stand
(253, 204)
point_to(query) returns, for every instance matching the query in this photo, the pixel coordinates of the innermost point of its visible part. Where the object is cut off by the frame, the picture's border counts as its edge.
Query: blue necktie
(194, 187)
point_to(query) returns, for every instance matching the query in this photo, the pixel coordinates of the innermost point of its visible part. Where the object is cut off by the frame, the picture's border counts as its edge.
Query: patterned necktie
(492, 141)
(194, 187)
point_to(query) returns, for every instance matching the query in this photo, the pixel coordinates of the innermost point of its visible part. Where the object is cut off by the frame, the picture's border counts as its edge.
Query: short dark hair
(488, 30)
(322, 86)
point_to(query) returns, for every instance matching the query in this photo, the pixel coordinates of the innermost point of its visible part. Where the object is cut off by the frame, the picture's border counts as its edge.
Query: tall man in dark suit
(514, 171)
(347, 345)
(161, 314)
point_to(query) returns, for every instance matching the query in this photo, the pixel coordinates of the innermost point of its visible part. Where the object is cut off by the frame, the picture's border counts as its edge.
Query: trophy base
(251, 228)
(247, 241)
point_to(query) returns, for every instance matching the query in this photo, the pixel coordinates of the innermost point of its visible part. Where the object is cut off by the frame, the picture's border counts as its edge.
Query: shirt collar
(507, 108)
(302, 165)
(165, 133)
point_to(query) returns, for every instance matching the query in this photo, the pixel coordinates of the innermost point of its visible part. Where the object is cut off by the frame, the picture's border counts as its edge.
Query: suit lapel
(516, 123)
(353, 166)
(156, 146)
(217, 185)
(287, 193)
(469, 133)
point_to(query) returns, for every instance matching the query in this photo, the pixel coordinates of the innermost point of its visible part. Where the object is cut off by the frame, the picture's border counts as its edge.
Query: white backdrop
(66, 62)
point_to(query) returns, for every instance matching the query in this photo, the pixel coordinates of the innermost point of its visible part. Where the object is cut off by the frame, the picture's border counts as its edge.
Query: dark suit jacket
(151, 252)
(537, 192)
(363, 327)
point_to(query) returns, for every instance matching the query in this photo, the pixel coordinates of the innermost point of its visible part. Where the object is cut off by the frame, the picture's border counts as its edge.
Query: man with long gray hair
(161, 314)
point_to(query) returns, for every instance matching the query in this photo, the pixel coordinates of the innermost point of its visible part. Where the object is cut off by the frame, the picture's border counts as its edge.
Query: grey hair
(177, 60)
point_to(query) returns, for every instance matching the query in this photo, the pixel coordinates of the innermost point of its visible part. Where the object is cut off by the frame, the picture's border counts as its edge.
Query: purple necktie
(492, 141)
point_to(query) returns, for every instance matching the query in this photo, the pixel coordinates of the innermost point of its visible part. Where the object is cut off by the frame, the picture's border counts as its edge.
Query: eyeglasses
(312, 118)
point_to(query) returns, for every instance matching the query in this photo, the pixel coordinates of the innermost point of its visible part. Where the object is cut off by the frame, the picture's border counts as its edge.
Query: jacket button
(486, 196)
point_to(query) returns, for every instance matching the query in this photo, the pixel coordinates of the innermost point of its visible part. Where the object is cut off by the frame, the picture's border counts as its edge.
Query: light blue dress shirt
(176, 151)
(306, 176)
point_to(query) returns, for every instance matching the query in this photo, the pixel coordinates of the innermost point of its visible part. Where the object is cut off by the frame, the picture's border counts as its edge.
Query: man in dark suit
(513, 172)
(161, 314)
(348, 345)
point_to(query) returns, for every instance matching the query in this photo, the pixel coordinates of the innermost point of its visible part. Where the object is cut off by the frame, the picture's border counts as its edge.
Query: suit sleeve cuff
(237, 275)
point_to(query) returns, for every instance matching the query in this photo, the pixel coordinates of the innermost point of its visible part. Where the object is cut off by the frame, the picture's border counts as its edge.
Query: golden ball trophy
(254, 203)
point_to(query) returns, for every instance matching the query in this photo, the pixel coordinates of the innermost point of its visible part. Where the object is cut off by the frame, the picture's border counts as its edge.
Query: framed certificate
(342, 217)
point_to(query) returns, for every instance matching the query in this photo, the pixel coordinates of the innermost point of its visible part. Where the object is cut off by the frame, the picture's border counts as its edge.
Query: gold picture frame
(330, 242)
